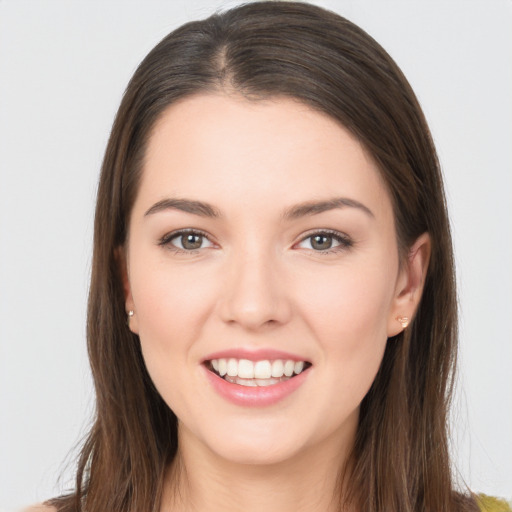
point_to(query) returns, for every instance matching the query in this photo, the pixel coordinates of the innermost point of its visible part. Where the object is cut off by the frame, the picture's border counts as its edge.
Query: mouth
(262, 373)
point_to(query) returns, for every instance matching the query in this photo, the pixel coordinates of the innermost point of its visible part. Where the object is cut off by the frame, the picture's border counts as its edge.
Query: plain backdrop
(63, 69)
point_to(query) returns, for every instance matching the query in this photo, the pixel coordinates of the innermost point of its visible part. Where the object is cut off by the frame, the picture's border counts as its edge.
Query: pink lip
(253, 355)
(262, 396)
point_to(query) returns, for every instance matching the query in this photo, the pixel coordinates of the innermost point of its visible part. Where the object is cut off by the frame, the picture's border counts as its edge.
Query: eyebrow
(185, 205)
(316, 207)
(297, 211)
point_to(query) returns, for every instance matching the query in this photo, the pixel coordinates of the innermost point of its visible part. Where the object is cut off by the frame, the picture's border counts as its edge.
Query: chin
(251, 442)
(255, 454)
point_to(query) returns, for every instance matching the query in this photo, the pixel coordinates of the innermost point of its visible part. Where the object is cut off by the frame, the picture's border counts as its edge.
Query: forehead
(230, 150)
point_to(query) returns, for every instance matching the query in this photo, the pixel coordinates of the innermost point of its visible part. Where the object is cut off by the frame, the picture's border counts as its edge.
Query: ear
(122, 262)
(409, 286)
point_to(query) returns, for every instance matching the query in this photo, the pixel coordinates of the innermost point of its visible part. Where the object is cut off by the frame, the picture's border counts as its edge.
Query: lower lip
(261, 396)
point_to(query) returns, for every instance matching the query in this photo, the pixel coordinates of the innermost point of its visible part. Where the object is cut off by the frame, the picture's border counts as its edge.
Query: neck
(200, 480)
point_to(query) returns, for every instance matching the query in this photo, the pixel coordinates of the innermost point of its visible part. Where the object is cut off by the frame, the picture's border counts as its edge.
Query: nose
(254, 294)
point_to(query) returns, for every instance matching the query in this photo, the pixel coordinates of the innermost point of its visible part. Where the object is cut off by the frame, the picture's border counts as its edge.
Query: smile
(256, 373)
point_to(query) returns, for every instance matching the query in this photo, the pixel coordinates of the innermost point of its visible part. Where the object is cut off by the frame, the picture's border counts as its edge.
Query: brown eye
(321, 242)
(191, 241)
(326, 242)
(186, 240)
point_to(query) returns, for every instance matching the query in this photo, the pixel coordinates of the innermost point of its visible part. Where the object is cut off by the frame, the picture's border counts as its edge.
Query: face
(262, 244)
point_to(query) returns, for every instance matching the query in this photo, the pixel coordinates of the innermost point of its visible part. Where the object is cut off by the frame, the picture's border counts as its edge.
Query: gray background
(63, 67)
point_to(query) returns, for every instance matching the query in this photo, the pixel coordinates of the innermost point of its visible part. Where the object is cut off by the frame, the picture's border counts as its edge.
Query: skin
(257, 281)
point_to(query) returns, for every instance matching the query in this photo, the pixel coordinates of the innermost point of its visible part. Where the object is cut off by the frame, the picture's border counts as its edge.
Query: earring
(130, 314)
(403, 320)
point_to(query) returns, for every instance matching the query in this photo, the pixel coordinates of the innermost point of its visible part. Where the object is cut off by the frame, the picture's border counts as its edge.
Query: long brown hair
(400, 461)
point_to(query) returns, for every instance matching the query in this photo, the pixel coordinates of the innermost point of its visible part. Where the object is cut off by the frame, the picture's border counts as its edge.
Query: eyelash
(166, 240)
(343, 240)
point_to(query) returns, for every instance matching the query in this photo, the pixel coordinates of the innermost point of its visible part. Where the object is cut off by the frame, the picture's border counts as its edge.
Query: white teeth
(232, 367)
(253, 383)
(245, 369)
(267, 382)
(263, 370)
(247, 382)
(277, 368)
(243, 382)
(298, 367)
(289, 366)
(256, 373)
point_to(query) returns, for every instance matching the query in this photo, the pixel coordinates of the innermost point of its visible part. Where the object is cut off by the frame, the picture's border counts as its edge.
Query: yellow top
(490, 504)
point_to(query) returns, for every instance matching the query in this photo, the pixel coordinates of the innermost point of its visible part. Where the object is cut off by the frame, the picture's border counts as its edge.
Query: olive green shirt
(490, 504)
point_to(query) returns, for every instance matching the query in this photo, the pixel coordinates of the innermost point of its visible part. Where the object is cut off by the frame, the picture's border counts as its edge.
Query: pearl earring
(403, 320)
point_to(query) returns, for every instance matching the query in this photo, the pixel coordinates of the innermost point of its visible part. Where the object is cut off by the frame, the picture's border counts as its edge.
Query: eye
(325, 241)
(186, 240)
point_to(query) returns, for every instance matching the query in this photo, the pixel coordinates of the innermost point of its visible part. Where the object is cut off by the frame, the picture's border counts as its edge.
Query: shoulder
(40, 508)
(490, 504)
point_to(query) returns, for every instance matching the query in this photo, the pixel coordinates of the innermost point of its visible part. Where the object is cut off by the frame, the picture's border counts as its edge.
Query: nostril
(254, 297)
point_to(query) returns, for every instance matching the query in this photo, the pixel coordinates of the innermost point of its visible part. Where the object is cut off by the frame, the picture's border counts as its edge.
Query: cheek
(171, 301)
(349, 321)
(348, 302)
(171, 305)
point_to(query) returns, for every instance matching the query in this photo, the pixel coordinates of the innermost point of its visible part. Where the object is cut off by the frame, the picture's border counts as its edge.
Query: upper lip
(254, 355)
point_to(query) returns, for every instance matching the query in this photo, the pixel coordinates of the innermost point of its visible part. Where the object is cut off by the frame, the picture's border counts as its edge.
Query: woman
(272, 315)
